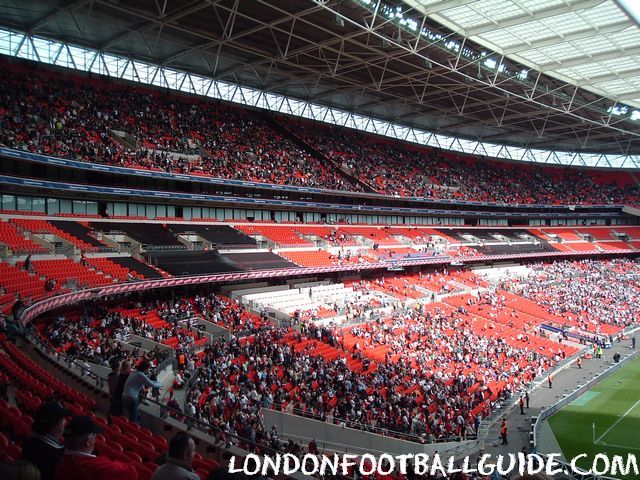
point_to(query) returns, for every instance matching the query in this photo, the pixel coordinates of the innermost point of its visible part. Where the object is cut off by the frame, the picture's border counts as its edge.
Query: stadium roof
(590, 43)
(409, 63)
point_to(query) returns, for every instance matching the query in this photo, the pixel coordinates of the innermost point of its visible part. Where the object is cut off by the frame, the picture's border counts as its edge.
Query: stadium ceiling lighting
(21, 45)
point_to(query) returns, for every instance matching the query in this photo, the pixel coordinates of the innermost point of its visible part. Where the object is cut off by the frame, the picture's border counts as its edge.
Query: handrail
(164, 364)
(189, 384)
(387, 432)
(163, 410)
(101, 382)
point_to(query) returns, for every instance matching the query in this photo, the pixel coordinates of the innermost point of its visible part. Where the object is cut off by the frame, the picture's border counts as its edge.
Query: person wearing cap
(79, 462)
(178, 466)
(132, 388)
(44, 448)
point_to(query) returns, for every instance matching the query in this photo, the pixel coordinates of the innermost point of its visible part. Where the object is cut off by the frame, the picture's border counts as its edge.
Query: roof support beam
(539, 15)
(438, 6)
(52, 16)
(629, 95)
(193, 7)
(244, 33)
(635, 72)
(571, 37)
(599, 57)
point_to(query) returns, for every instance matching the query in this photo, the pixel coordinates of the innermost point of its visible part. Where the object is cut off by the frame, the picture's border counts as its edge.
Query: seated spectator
(178, 381)
(79, 462)
(44, 447)
(182, 450)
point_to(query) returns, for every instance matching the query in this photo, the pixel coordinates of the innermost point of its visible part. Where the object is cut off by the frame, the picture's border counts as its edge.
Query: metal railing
(189, 384)
(387, 432)
(161, 410)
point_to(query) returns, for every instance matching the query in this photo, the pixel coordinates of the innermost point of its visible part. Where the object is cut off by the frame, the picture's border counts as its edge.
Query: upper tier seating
(83, 241)
(69, 116)
(283, 236)
(402, 169)
(18, 244)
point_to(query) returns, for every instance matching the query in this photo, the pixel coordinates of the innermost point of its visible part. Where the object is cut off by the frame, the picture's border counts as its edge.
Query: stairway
(315, 153)
(124, 139)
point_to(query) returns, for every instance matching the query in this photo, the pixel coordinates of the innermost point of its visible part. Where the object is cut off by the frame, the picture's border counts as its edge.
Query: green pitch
(614, 407)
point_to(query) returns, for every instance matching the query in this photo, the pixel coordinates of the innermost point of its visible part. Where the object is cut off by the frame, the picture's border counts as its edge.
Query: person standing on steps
(503, 432)
(132, 388)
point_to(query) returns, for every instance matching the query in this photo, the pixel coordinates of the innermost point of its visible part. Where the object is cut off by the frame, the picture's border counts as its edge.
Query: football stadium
(324, 239)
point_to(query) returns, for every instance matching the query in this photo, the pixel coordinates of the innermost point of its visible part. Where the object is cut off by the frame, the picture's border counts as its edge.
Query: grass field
(614, 407)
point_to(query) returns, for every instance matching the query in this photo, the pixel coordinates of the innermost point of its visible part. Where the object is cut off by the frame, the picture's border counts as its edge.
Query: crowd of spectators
(96, 336)
(429, 372)
(71, 117)
(400, 169)
(587, 293)
(400, 395)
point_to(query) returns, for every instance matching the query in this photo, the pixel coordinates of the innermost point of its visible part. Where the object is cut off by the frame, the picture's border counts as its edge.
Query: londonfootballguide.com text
(423, 464)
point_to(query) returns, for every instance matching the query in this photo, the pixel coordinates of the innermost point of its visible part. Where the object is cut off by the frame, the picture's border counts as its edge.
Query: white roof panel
(595, 38)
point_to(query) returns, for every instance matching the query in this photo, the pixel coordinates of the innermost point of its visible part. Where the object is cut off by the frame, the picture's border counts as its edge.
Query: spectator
(27, 263)
(44, 447)
(133, 388)
(503, 432)
(178, 466)
(80, 463)
(112, 383)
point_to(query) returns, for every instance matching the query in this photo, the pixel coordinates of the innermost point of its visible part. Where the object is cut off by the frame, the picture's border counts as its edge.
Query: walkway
(564, 382)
